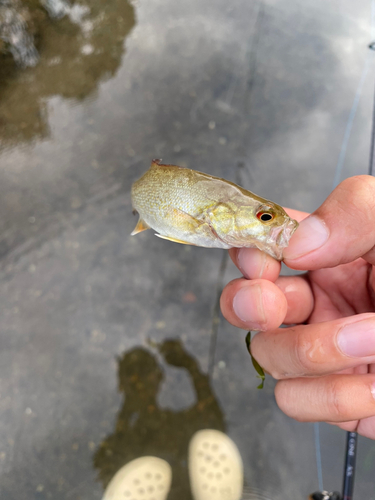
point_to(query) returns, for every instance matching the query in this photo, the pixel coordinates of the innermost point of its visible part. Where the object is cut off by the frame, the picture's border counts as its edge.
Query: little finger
(334, 398)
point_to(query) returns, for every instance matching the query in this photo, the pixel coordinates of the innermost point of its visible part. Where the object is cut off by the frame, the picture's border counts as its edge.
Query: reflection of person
(325, 361)
(142, 428)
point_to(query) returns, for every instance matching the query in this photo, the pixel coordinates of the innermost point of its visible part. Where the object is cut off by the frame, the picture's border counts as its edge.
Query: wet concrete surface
(256, 92)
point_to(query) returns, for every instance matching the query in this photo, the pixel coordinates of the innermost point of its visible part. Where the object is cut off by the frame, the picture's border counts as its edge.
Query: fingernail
(311, 234)
(248, 306)
(358, 339)
(251, 262)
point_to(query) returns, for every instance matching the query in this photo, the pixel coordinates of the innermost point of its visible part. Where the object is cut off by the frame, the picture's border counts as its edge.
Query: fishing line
(372, 147)
(349, 125)
(216, 314)
(371, 170)
(318, 455)
(372, 47)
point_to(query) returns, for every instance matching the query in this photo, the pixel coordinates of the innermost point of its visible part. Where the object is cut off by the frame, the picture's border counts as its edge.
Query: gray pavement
(256, 92)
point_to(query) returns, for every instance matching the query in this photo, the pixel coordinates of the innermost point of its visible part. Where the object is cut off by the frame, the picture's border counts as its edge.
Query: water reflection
(77, 52)
(15, 34)
(143, 428)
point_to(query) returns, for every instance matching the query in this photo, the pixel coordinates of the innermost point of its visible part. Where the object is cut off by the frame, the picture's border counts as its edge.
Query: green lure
(256, 365)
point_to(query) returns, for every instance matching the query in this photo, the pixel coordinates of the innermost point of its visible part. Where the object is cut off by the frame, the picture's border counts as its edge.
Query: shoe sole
(215, 467)
(145, 478)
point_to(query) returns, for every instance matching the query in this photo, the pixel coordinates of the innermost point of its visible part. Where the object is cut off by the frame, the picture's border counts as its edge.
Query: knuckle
(360, 193)
(302, 418)
(282, 396)
(302, 345)
(264, 352)
(285, 396)
(277, 375)
(337, 400)
(365, 183)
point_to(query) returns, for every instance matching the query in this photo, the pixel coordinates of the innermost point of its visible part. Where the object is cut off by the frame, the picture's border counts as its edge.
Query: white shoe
(215, 467)
(145, 478)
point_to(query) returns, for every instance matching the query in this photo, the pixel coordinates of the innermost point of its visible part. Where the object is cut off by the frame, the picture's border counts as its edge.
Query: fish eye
(265, 216)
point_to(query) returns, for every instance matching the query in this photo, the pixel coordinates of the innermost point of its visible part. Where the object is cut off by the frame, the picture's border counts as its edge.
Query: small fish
(194, 208)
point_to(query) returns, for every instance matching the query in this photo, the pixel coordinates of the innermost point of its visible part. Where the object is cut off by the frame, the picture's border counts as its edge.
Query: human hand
(324, 361)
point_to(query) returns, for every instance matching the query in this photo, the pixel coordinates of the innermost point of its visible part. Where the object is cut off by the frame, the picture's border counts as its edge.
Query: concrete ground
(112, 346)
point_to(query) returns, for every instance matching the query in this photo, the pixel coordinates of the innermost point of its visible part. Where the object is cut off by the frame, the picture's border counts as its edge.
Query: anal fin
(175, 240)
(141, 226)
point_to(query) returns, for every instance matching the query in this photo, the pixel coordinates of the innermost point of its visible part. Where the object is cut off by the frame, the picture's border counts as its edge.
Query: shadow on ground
(144, 428)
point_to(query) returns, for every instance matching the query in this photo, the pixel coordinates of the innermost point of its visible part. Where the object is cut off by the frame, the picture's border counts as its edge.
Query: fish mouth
(280, 237)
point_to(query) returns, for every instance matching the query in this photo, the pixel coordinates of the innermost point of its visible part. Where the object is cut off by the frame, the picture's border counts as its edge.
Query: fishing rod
(349, 469)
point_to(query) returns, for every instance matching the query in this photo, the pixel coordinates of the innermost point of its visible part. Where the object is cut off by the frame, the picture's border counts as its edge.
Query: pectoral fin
(173, 239)
(141, 226)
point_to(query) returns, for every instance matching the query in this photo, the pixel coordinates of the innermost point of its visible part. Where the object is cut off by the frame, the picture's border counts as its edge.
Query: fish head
(266, 226)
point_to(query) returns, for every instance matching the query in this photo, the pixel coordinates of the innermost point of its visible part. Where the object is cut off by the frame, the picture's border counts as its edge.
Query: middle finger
(259, 304)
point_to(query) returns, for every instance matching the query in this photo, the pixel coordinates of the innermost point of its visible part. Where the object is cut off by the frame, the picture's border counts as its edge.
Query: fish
(193, 208)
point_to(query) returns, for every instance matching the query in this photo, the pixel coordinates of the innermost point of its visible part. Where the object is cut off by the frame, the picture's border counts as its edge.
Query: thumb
(339, 231)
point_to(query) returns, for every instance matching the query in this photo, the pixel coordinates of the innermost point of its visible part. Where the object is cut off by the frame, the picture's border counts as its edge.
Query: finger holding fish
(255, 264)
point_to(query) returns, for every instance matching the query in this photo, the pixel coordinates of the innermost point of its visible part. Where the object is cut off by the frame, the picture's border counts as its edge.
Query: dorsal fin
(159, 164)
(156, 163)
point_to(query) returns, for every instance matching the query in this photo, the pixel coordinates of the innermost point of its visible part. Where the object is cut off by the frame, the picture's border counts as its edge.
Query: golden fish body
(194, 208)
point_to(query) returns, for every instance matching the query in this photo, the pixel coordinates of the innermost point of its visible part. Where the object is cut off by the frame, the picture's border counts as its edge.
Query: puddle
(52, 48)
